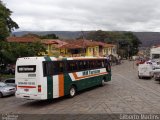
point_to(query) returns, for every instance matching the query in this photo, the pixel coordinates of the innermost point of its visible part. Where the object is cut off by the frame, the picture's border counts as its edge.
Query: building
(52, 46)
(56, 47)
(87, 48)
(155, 52)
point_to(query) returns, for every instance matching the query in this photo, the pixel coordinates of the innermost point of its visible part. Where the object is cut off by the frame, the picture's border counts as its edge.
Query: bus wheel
(102, 82)
(72, 91)
(140, 77)
(1, 95)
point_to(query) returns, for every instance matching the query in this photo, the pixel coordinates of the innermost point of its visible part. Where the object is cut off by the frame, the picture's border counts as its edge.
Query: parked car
(6, 89)
(156, 73)
(10, 82)
(145, 70)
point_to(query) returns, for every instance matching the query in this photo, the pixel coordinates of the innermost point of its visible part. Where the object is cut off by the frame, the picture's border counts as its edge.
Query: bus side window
(48, 68)
(92, 64)
(86, 64)
(61, 67)
(72, 66)
(99, 63)
(58, 67)
(80, 65)
(102, 63)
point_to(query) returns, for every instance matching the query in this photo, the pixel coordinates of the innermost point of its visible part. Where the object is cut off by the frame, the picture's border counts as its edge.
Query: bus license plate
(26, 90)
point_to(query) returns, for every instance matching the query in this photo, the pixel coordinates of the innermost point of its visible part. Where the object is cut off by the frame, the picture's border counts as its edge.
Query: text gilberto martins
(139, 116)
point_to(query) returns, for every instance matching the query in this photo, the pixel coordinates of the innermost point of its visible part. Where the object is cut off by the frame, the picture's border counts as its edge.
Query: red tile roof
(54, 41)
(83, 43)
(71, 46)
(89, 43)
(60, 43)
(49, 41)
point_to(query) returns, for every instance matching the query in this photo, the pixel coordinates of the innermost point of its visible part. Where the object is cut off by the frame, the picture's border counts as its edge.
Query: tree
(98, 35)
(6, 22)
(12, 51)
(127, 43)
(31, 35)
(6, 26)
(49, 36)
(133, 43)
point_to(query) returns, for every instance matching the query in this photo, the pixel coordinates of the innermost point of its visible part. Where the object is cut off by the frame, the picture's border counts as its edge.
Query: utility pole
(128, 50)
(83, 42)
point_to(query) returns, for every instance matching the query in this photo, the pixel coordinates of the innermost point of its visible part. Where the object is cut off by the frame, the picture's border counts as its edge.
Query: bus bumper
(31, 96)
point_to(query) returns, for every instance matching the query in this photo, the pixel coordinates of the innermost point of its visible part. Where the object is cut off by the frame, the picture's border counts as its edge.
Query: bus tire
(139, 77)
(1, 95)
(102, 82)
(72, 91)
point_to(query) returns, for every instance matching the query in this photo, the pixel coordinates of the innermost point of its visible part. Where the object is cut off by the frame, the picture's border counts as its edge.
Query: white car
(145, 70)
(155, 63)
(10, 82)
(157, 74)
(6, 89)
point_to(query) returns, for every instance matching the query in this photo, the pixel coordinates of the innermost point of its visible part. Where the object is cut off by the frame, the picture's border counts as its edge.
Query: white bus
(44, 78)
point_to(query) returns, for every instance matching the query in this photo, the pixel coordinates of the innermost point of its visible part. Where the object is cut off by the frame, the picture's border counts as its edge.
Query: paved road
(124, 94)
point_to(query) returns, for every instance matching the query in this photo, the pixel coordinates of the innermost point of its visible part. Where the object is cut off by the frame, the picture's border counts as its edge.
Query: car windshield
(10, 81)
(157, 67)
(2, 84)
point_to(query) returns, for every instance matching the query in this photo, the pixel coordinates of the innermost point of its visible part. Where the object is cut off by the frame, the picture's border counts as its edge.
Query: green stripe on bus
(64, 58)
(49, 83)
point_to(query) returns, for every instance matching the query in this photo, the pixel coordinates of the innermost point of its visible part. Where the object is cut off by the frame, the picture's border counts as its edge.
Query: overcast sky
(115, 15)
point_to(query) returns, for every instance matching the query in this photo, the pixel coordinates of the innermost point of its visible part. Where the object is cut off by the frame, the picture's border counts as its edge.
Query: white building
(155, 52)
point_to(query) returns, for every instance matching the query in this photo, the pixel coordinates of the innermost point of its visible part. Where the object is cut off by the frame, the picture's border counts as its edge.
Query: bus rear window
(26, 69)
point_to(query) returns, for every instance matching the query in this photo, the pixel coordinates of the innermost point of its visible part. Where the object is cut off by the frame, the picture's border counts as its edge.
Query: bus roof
(62, 58)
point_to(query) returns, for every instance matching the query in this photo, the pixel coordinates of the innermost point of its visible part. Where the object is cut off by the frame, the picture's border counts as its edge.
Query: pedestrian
(119, 59)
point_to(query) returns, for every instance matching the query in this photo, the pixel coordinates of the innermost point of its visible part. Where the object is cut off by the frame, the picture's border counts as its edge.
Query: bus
(43, 78)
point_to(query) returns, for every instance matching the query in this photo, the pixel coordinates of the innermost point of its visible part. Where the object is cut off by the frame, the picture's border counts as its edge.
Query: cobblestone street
(124, 94)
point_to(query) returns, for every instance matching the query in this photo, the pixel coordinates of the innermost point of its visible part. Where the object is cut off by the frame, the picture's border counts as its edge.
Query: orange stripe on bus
(61, 85)
(77, 78)
(27, 86)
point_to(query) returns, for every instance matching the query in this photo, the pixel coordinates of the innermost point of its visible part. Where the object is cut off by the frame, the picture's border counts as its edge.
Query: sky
(78, 15)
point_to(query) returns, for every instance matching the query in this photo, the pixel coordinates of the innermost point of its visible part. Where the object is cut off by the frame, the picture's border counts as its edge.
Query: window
(48, 68)
(155, 56)
(58, 67)
(96, 48)
(53, 68)
(104, 51)
(72, 66)
(26, 68)
(90, 50)
(102, 62)
(10, 81)
(113, 50)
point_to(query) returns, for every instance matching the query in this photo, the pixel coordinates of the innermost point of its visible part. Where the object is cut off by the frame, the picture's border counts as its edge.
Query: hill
(60, 34)
(148, 38)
